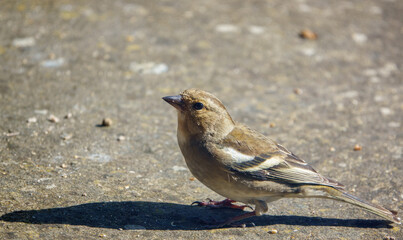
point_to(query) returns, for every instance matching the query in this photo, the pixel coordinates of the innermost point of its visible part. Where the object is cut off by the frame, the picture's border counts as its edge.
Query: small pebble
(308, 51)
(386, 111)
(273, 231)
(99, 157)
(84, 194)
(349, 94)
(121, 138)
(256, 30)
(53, 118)
(357, 147)
(66, 136)
(305, 8)
(41, 111)
(192, 178)
(375, 10)
(308, 34)
(63, 165)
(370, 72)
(50, 186)
(102, 235)
(179, 168)
(53, 63)
(160, 68)
(272, 124)
(298, 91)
(149, 67)
(226, 28)
(130, 38)
(394, 124)
(23, 42)
(388, 69)
(32, 120)
(12, 134)
(359, 37)
(332, 149)
(106, 122)
(68, 115)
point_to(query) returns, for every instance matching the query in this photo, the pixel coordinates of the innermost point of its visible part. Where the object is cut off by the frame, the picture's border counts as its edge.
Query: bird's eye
(198, 106)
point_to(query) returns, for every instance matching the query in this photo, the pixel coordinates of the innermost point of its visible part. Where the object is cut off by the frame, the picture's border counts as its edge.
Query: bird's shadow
(164, 216)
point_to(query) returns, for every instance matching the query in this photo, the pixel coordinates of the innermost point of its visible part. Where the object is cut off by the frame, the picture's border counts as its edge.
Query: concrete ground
(66, 65)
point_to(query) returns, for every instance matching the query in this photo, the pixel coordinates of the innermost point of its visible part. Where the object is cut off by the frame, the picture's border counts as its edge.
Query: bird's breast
(206, 167)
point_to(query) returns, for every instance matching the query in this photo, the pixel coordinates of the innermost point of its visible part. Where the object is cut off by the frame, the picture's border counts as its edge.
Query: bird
(244, 165)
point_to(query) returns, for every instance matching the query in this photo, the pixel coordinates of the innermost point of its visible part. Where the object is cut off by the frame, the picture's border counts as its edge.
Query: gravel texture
(334, 99)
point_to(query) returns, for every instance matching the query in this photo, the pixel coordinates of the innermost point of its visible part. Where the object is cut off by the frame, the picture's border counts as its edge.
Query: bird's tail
(343, 196)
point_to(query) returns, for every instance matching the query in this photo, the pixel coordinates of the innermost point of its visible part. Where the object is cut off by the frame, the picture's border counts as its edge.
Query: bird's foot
(227, 203)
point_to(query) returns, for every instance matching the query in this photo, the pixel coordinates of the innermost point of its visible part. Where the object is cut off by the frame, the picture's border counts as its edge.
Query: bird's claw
(201, 204)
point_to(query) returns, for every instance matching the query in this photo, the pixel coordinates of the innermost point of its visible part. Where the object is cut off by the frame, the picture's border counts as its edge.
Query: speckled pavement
(336, 101)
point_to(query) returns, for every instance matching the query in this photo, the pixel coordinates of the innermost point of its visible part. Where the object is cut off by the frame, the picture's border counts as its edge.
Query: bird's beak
(175, 101)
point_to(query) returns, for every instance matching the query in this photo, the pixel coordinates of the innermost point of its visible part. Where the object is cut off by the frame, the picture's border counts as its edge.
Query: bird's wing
(256, 157)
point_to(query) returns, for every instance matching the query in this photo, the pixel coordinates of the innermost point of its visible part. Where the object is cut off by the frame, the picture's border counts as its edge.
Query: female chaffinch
(244, 165)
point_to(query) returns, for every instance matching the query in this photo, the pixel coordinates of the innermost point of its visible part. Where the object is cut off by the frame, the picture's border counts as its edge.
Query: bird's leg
(260, 208)
(227, 203)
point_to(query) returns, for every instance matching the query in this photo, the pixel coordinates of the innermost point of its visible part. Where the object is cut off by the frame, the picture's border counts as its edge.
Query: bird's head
(200, 112)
